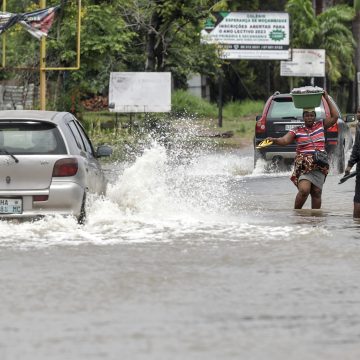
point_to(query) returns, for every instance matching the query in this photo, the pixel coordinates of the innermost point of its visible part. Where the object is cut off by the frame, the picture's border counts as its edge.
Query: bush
(185, 103)
(235, 109)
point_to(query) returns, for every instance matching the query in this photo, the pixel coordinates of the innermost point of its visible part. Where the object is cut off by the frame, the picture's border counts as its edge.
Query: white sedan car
(47, 165)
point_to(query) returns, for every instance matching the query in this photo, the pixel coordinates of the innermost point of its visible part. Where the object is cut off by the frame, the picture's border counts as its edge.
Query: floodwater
(194, 257)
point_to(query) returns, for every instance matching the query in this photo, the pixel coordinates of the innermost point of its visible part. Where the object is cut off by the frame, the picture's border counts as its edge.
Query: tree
(329, 30)
(106, 40)
(356, 33)
(170, 35)
(104, 45)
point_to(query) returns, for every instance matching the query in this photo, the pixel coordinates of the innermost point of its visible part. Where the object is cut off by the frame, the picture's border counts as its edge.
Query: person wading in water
(308, 176)
(355, 159)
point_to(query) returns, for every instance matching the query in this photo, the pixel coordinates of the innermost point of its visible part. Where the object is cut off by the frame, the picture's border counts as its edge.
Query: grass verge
(238, 120)
(123, 132)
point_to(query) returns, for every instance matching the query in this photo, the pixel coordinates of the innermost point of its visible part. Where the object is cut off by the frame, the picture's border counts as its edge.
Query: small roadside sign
(304, 63)
(140, 92)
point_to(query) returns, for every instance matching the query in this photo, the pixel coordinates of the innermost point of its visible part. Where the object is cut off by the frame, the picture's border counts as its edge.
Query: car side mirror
(103, 150)
(258, 117)
(350, 118)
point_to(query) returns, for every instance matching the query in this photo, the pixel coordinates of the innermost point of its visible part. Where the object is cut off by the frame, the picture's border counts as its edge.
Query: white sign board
(135, 92)
(305, 63)
(249, 35)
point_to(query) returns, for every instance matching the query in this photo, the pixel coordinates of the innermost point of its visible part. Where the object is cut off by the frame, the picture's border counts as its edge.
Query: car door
(94, 177)
(96, 180)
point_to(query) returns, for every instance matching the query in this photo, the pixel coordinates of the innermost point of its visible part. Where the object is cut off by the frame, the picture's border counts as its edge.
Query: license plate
(289, 127)
(10, 206)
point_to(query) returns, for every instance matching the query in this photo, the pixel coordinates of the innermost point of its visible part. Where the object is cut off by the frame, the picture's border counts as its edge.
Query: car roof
(40, 115)
(278, 95)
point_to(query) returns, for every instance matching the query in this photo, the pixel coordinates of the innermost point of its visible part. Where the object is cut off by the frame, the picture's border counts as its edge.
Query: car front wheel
(82, 217)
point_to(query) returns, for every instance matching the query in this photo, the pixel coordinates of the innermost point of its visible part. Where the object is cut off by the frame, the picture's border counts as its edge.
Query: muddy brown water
(204, 259)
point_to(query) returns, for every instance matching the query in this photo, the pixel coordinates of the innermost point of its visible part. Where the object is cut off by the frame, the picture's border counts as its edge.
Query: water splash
(177, 188)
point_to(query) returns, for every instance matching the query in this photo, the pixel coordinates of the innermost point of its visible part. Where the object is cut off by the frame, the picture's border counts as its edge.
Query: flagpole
(42, 66)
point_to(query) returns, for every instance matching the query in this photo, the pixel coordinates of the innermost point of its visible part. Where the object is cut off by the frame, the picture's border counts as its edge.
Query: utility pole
(356, 34)
(43, 66)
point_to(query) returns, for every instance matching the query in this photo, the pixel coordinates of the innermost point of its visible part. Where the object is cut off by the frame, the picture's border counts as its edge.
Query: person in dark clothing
(355, 159)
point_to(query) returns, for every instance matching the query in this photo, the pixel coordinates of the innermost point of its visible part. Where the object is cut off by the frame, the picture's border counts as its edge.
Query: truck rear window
(284, 107)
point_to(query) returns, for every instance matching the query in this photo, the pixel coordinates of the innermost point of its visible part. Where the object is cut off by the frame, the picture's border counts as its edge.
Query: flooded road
(202, 258)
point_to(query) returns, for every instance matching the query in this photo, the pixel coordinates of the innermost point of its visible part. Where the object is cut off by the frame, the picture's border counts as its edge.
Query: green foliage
(242, 80)
(184, 103)
(103, 40)
(236, 109)
(188, 56)
(118, 137)
(357, 5)
(241, 127)
(238, 119)
(171, 31)
(303, 23)
(115, 36)
(331, 30)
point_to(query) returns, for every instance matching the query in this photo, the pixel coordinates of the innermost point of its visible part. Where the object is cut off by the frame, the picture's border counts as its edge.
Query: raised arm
(355, 152)
(284, 140)
(334, 113)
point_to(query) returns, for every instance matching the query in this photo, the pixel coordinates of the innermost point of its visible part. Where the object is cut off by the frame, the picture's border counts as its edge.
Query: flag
(38, 23)
(7, 20)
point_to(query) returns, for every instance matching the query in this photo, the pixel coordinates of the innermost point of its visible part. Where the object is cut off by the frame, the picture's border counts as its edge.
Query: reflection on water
(194, 256)
(310, 212)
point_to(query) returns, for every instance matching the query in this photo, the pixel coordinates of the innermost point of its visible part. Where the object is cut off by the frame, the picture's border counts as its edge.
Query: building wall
(198, 86)
(18, 97)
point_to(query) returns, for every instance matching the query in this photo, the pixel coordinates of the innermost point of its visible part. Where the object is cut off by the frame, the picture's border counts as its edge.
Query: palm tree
(356, 33)
(329, 30)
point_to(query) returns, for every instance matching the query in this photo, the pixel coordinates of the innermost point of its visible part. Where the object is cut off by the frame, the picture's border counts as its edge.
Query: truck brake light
(260, 125)
(333, 128)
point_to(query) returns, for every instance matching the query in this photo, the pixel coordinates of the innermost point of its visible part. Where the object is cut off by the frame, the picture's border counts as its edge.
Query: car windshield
(282, 108)
(30, 137)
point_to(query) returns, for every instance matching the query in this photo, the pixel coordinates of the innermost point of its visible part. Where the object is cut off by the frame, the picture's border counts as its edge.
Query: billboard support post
(291, 83)
(220, 100)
